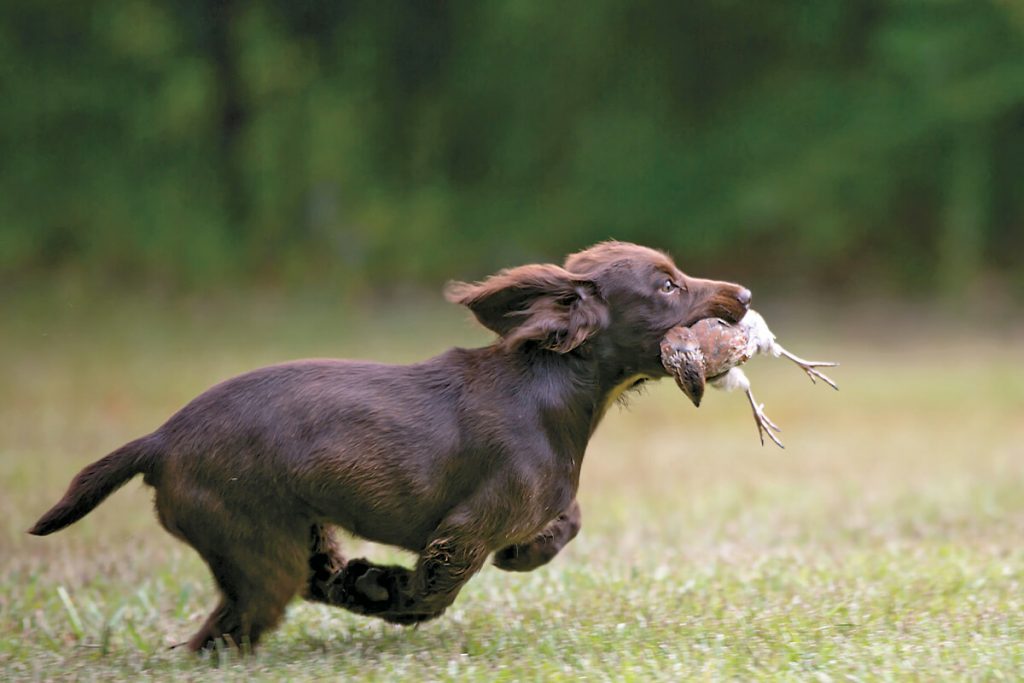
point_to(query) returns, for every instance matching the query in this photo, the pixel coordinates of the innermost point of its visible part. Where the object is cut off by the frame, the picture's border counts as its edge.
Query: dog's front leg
(441, 571)
(403, 596)
(524, 557)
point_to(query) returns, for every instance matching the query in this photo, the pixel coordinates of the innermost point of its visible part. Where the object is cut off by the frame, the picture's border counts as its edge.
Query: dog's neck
(573, 391)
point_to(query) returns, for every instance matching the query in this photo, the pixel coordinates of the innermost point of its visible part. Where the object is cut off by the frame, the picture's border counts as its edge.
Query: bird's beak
(691, 380)
(684, 360)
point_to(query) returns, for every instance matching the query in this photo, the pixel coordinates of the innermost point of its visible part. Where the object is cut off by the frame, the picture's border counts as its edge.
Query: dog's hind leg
(524, 557)
(254, 596)
(325, 563)
(258, 557)
(255, 590)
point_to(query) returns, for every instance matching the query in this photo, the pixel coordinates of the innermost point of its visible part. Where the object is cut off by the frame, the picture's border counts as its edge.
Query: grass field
(886, 542)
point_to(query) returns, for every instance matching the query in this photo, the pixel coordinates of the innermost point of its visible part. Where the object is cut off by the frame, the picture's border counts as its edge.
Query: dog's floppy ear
(539, 303)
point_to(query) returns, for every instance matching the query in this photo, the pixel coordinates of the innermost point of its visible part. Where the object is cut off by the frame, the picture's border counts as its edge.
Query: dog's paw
(358, 567)
(370, 585)
(507, 558)
(365, 588)
(521, 558)
(323, 567)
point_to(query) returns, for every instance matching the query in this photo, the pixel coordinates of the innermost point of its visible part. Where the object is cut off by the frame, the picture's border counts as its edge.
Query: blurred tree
(213, 140)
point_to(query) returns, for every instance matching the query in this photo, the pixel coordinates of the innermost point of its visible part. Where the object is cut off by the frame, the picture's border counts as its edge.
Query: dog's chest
(619, 389)
(524, 504)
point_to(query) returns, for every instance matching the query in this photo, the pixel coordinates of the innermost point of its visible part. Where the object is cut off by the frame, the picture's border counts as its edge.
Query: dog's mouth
(730, 305)
(725, 301)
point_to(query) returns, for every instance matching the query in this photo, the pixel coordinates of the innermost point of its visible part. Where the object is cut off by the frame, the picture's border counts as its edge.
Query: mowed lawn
(885, 542)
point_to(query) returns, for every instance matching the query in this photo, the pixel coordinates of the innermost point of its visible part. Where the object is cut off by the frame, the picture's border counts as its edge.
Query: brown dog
(476, 451)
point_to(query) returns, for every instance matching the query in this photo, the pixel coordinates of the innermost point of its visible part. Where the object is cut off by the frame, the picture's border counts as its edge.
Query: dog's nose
(743, 296)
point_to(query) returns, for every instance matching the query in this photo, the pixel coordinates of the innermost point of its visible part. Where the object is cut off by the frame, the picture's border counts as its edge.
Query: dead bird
(711, 350)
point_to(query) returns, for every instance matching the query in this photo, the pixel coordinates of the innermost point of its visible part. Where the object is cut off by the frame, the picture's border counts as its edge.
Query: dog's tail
(97, 481)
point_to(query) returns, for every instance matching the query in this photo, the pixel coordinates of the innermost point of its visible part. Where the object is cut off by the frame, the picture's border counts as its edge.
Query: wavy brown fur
(473, 453)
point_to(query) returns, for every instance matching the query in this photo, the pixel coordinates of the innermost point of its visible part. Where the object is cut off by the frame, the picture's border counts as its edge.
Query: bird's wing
(761, 340)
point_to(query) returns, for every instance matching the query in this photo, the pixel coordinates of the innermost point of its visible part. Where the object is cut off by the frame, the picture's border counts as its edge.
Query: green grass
(884, 543)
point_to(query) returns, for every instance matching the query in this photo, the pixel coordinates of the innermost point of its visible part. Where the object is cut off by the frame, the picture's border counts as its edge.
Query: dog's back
(470, 454)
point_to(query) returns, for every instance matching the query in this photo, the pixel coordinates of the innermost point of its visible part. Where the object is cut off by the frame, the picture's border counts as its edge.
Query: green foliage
(216, 141)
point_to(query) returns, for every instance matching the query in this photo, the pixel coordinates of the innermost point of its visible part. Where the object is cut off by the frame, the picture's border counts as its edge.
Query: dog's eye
(668, 286)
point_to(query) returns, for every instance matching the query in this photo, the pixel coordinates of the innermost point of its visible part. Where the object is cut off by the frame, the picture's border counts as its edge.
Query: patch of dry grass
(885, 542)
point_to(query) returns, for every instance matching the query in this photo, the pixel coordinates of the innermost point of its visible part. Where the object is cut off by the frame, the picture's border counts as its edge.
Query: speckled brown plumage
(711, 351)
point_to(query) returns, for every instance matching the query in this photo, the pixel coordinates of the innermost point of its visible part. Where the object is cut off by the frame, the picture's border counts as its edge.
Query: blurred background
(191, 189)
(862, 147)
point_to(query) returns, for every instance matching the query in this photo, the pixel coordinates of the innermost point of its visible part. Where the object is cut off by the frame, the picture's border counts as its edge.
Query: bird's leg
(810, 367)
(764, 423)
(737, 379)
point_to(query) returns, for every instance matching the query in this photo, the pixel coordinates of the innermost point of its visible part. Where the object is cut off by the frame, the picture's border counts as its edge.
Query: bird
(711, 351)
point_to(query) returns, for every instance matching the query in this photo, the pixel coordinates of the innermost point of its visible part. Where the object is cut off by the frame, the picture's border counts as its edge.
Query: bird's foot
(811, 368)
(764, 423)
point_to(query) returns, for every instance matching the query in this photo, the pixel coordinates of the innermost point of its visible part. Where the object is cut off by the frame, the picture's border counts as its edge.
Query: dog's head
(615, 298)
